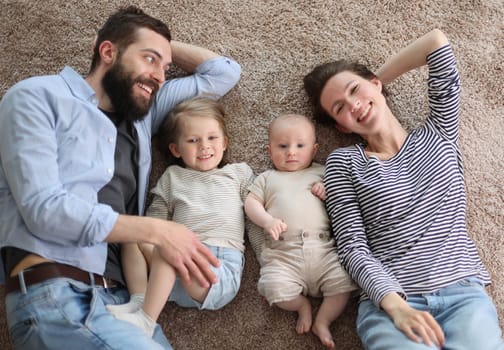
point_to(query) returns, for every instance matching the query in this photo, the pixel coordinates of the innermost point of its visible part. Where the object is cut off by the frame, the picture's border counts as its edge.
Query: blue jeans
(221, 293)
(63, 313)
(464, 311)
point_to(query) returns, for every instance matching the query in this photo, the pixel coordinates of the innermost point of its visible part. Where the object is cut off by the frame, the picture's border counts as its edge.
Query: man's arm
(178, 245)
(211, 75)
(188, 57)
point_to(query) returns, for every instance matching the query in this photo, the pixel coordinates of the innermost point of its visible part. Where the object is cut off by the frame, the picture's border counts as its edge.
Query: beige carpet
(277, 42)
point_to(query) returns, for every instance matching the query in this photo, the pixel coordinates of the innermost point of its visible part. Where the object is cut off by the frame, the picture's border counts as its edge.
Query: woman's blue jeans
(464, 311)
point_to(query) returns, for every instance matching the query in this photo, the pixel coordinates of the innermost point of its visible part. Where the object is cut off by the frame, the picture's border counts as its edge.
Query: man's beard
(118, 84)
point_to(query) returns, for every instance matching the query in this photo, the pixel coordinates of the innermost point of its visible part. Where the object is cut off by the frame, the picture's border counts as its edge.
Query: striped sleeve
(348, 227)
(444, 93)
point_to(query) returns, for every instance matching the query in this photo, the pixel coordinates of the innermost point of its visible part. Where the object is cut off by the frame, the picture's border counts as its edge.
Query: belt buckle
(105, 284)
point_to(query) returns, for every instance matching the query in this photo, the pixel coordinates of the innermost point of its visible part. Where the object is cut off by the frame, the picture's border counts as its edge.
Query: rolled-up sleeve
(35, 159)
(213, 78)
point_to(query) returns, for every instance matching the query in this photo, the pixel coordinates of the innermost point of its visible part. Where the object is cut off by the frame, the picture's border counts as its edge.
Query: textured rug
(277, 43)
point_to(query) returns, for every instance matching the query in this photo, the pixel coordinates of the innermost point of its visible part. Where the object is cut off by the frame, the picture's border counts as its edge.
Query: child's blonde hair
(202, 107)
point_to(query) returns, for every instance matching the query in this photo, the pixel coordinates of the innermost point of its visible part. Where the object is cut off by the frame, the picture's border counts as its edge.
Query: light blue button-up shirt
(57, 151)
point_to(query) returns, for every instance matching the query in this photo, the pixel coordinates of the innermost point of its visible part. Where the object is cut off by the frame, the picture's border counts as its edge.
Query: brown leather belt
(45, 271)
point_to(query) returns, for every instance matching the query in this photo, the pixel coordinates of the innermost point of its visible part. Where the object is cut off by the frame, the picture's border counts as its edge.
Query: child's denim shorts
(229, 275)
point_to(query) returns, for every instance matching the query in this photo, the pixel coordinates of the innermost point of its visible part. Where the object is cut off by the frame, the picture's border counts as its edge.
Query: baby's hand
(275, 227)
(319, 190)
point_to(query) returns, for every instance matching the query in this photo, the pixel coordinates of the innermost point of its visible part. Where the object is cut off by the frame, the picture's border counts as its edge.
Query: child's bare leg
(302, 306)
(329, 310)
(161, 281)
(196, 292)
(135, 270)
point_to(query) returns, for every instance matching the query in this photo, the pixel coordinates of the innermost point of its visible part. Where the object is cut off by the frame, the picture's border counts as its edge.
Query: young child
(206, 197)
(299, 257)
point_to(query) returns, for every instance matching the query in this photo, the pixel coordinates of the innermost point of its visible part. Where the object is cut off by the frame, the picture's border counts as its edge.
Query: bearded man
(75, 161)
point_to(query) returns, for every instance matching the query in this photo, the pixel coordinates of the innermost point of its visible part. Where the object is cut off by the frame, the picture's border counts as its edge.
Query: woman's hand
(419, 326)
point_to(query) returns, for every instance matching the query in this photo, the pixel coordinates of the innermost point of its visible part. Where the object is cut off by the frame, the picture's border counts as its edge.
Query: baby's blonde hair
(289, 116)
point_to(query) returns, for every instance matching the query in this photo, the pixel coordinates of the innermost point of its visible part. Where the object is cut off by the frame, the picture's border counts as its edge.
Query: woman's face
(355, 103)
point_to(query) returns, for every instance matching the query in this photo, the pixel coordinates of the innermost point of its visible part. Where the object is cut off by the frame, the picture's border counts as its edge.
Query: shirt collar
(78, 85)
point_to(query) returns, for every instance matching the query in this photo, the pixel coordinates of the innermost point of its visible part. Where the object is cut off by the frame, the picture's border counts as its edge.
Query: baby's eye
(282, 146)
(211, 138)
(355, 88)
(300, 145)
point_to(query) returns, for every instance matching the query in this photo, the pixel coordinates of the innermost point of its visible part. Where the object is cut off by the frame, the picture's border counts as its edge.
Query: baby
(299, 257)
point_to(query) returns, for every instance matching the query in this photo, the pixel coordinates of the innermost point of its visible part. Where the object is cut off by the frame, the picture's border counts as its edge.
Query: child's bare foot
(322, 331)
(304, 320)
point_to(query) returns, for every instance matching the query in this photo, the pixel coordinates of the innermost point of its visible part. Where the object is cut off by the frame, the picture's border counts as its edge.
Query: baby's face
(292, 145)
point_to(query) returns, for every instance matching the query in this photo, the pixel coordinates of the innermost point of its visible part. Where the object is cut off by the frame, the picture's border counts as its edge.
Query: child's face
(201, 143)
(292, 145)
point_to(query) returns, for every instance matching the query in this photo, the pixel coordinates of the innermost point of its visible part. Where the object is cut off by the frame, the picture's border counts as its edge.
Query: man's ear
(342, 129)
(174, 150)
(108, 52)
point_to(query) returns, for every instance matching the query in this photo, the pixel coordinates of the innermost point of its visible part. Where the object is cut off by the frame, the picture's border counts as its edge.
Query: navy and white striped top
(400, 223)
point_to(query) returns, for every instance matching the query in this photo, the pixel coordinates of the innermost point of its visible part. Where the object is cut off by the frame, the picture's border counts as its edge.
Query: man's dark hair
(315, 81)
(121, 28)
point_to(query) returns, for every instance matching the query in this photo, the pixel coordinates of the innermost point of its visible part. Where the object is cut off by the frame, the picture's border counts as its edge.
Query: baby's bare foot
(304, 320)
(322, 331)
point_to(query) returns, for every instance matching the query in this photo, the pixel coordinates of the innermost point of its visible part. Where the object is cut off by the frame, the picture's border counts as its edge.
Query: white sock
(134, 304)
(139, 318)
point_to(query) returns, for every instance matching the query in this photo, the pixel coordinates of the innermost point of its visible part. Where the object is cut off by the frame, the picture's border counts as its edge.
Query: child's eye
(300, 145)
(193, 140)
(282, 146)
(355, 89)
(211, 138)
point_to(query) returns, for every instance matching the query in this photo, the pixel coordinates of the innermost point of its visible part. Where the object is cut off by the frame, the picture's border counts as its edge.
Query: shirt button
(305, 234)
(321, 235)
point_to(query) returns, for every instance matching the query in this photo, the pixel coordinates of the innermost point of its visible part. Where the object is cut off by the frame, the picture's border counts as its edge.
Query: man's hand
(178, 245)
(182, 249)
(419, 326)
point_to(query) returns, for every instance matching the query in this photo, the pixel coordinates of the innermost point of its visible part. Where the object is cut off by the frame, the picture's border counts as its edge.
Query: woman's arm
(412, 56)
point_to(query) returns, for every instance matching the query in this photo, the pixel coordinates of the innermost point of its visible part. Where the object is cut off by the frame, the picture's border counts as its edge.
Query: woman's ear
(174, 150)
(377, 82)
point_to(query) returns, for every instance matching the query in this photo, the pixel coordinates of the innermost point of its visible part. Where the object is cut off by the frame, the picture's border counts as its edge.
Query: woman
(397, 205)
